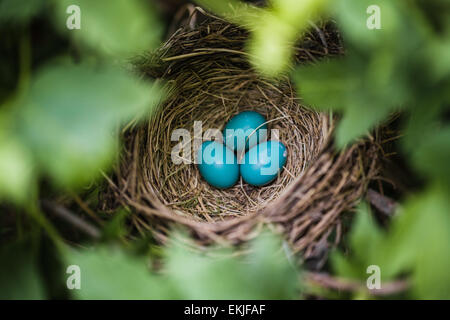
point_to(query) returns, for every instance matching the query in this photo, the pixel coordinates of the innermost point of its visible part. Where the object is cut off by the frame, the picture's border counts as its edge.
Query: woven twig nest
(209, 79)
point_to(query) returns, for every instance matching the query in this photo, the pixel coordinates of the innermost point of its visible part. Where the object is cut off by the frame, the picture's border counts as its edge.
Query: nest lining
(210, 80)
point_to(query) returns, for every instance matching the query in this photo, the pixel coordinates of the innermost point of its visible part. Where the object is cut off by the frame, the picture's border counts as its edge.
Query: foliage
(265, 273)
(19, 273)
(65, 93)
(60, 119)
(403, 66)
(384, 71)
(118, 28)
(416, 245)
(110, 271)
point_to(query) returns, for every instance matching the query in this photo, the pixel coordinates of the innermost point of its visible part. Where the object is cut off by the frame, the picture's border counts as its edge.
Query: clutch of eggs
(260, 165)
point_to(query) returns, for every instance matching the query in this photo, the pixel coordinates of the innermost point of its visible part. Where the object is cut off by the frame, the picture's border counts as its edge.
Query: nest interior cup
(213, 94)
(209, 79)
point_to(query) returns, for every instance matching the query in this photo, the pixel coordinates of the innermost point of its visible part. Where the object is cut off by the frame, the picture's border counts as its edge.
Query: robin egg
(245, 130)
(262, 163)
(218, 165)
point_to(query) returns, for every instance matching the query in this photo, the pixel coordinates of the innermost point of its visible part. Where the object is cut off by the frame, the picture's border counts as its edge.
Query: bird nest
(209, 80)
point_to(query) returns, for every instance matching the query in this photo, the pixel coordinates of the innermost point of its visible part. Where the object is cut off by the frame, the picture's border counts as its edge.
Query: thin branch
(383, 203)
(68, 216)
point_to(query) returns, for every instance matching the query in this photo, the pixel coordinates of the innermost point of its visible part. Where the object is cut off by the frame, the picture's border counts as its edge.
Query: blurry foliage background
(65, 93)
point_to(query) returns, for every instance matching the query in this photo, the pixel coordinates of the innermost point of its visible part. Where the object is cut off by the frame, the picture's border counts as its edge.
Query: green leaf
(431, 157)
(267, 260)
(110, 273)
(379, 73)
(271, 45)
(423, 230)
(345, 267)
(352, 17)
(17, 11)
(325, 85)
(357, 121)
(366, 234)
(365, 240)
(19, 274)
(416, 245)
(439, 50)
(263, 274)
(340, 85)
(16, 169)
(70, 113)
(235, 11)
(116, 27)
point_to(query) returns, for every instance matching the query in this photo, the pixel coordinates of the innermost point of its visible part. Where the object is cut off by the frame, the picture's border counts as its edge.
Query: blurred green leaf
(70, 114)
(431, 158)
(352, 17)
(19, 274)
(358, 119)
(116, 227)
(325, 85)
(264, 274)
(274, 29)
(116, 27)
(271, 44)
(440, 51)
(267, 260)
(19, 11)
(336, 85)
(236, 11)
(378, 75)
(431, 276)
(16, 170)
(345, 267)
(364, 240)
(366, 235)
(416, 244)
(110, 273)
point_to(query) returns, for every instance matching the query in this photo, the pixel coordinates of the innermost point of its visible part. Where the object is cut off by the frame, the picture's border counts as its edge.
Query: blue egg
(262, 163)
(240, 132)
(219, 166)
